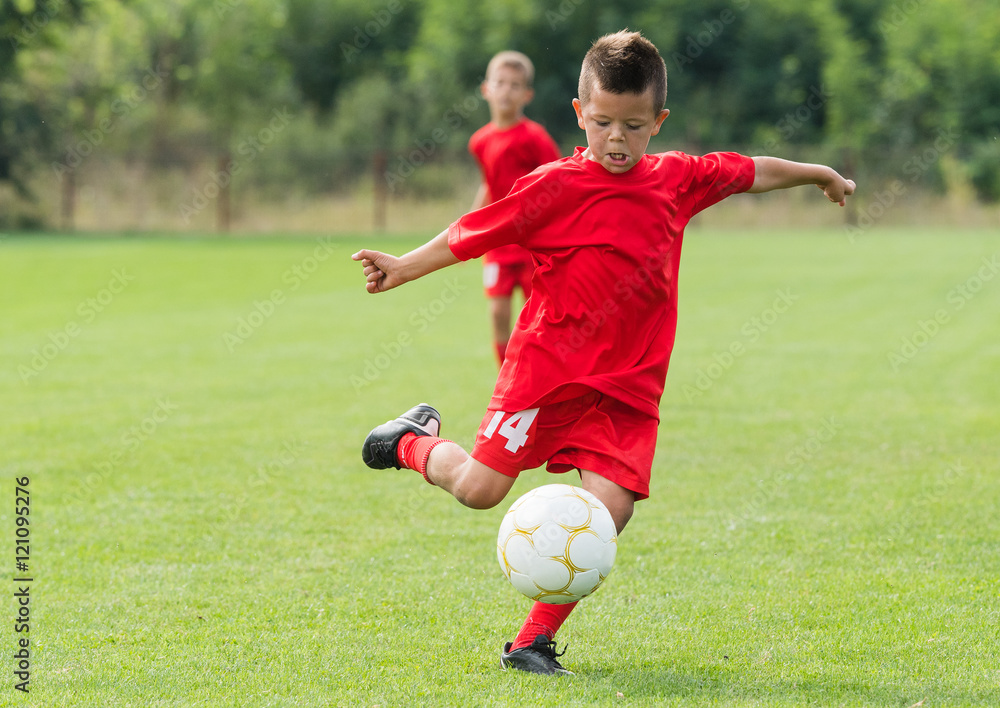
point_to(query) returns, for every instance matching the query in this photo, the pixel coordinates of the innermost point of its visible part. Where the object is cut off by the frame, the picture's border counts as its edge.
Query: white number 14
(514, 429)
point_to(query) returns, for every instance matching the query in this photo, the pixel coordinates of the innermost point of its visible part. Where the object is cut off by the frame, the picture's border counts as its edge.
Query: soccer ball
(557, 544)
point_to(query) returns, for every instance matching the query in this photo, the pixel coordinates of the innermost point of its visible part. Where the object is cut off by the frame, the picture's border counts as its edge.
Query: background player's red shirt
(504, 156)
(603, 309)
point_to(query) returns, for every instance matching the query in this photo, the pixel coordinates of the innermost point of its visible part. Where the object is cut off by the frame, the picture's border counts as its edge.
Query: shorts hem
(495, 464)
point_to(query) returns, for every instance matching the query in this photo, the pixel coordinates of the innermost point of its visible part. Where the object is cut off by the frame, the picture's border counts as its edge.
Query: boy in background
(581, 385)
(508, 147)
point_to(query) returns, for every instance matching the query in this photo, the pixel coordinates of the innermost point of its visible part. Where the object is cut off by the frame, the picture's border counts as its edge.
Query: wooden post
(851, 208)
(67, 210)
(223, 205)
(380, 162)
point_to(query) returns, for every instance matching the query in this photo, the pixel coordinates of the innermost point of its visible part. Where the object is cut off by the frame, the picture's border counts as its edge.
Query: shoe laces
(548, 648)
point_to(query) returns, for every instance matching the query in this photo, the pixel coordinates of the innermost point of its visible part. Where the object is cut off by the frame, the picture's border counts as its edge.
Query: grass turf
(822, 528)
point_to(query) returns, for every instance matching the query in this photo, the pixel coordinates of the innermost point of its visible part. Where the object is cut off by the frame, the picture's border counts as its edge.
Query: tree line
(886, 89)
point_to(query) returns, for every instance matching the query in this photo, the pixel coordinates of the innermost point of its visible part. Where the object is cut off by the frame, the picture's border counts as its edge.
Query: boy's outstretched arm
(775, 173)
(385, 272)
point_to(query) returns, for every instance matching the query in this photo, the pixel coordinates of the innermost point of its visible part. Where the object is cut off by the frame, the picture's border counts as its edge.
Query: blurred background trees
(323, 97)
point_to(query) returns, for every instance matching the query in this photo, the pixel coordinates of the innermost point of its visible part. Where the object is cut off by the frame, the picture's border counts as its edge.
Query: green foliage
(25, 25)
(874, 84)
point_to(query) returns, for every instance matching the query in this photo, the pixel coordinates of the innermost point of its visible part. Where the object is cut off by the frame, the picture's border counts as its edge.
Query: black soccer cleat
(538, 658)
(379, 450)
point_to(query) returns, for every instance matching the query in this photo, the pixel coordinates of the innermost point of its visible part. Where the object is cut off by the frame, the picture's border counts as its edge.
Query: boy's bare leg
(620, 501)
(500, 310)
(471, 482)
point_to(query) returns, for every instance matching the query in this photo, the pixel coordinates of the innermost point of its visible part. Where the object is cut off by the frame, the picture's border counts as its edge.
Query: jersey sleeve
(475, 146)
(547, 148)
(718, 175)
(497, 224)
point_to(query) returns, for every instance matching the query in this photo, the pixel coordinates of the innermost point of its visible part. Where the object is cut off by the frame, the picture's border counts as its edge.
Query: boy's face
(506, 90)
(619, 126)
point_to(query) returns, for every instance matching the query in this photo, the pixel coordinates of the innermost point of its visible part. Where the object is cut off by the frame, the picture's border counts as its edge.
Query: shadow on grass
(719, 685)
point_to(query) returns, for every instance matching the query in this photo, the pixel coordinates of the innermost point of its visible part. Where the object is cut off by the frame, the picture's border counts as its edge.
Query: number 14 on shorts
(513, 427)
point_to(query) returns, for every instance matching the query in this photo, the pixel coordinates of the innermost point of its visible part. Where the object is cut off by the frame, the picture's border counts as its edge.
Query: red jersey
(505, 155)
(603, 308)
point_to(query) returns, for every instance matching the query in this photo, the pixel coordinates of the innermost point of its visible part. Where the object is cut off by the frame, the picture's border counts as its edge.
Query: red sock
(413, 451)
(501, 349)
(543, 619)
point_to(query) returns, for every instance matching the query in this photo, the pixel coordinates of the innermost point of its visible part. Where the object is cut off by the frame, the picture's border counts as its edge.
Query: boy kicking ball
(581, 383)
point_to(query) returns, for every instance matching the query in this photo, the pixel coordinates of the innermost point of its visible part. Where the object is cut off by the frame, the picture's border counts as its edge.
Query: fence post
(380, 162)
(223, 205)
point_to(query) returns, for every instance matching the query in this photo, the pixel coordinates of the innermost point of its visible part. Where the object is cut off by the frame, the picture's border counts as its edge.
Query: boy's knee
(479, 491)
(477, 496)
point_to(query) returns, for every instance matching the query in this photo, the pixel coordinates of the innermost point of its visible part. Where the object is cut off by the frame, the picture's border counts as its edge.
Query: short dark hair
(624, 62)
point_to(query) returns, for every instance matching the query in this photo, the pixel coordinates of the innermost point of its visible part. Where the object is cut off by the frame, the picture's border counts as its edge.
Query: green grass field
(823, 527)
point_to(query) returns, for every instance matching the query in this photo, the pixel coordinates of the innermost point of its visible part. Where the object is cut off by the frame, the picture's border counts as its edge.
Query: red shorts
(592, 432)
(500, 279)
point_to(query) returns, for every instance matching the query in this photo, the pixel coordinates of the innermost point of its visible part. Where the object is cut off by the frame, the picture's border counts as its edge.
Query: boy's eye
(603, 123)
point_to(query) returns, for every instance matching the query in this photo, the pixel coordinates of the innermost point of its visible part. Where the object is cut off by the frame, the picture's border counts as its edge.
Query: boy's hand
(379, 269)
(838, 188)
(774, 173)
(385, 272)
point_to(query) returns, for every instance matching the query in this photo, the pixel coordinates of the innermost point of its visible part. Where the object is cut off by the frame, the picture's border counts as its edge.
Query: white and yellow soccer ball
(557, 544)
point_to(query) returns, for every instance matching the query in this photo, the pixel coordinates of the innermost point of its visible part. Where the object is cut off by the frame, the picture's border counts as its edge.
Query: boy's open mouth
(618, 158)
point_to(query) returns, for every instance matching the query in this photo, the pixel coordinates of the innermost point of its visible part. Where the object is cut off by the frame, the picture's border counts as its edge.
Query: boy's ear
(660, 117)
(578, 107)
(484, 92)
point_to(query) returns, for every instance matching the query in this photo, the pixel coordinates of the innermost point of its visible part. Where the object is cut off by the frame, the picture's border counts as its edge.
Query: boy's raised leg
(412, 441)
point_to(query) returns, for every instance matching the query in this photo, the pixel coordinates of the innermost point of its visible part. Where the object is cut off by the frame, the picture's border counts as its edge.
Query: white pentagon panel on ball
(586, 550)
(557, 543)
(584, 583)
(550, 539)
(524, 585)
(531, 512)
(574, 512)
(550, 574)
(519, 553)
(603, 525)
